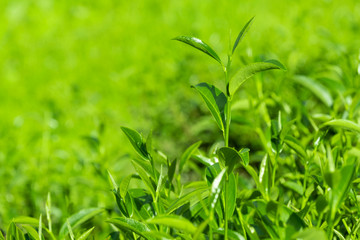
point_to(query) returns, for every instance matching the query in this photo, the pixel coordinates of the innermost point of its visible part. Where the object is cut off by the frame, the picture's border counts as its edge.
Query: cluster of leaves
(302, 183)
(296, 188)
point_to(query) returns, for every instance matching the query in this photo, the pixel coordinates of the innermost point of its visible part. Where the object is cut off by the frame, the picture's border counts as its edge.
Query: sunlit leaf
(86, 234)
(174, 221)
(216, 189)
(242, 34)
(200, 45)
(231, 194)
(249, 70)
(310, 234)
(244, 154)
(265, 174)
(31, 231)
(137, 142)
(215, 101)
(79, 218)
(295, 145)
(342, 123)
(230, 157)
(187, 154)
(195, 194)
(124, 185)
(131, 225)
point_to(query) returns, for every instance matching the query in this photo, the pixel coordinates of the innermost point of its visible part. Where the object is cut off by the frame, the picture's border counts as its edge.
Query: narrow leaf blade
(187, 154)
(136, 141)
(319, 90)
(174, 221)
(242, 33)
(248, 71)
(131, 225)
(200, 45)
(342, 123)
(215, 101)
(79, 218)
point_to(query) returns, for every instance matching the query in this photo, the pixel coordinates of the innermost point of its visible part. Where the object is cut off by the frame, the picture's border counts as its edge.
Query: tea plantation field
(179, 119)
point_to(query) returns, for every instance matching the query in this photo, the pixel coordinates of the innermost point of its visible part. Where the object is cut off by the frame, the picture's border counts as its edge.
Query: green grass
(73, 73)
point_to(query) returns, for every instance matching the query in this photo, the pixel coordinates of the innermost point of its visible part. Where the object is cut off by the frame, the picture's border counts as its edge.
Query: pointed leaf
(265, 174)
(310, 234)
(187, 154)
(31, 231)
(200, 45)
(340, 182)
(215, 101)
(216, 189)
(171, 170)
(248, 71)
(230, 157)
(295, 145)
(194, 195)
(232, 234)
(244, 154)
(86, 234)
(341, 123)
(242, 34)
(146, 180)
(26, 220)
(79, 218)
(131, 225)
(124, 185)
(231, 193)
(137, 141)
(174, 221)
(319, 90)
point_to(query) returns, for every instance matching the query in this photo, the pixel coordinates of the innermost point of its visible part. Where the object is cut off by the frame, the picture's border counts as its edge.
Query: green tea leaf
(339, 182)
(174, 221)
(249, 70)
(124, 185)
(242, 33)
(230, 157)
(137, 142)
(216, 189)
(310, 234)
(187, 154)
(342, 123)
(171, 170)
(200, 45)
(79, 218)
(294, 186)
(265, 175)
(320, 91)
(231, 194)
(146, 180)
(131, 225)
(295, 145)
(195, 194)
(26, 220)
(215, 101)
(232, 234)
(31, 231)
(86, 234)
(244, 154)
(11, 232)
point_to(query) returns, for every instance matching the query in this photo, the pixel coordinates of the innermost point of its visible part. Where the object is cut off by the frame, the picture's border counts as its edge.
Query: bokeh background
(73, 72)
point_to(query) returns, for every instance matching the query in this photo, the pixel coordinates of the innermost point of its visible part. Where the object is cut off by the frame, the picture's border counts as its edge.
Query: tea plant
(300, 182)
(298, 190)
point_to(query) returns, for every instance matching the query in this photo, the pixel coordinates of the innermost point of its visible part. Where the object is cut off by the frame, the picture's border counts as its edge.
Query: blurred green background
(73, 72)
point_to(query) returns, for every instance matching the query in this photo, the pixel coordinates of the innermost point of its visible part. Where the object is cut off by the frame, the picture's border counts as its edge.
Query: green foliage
(285, 165)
